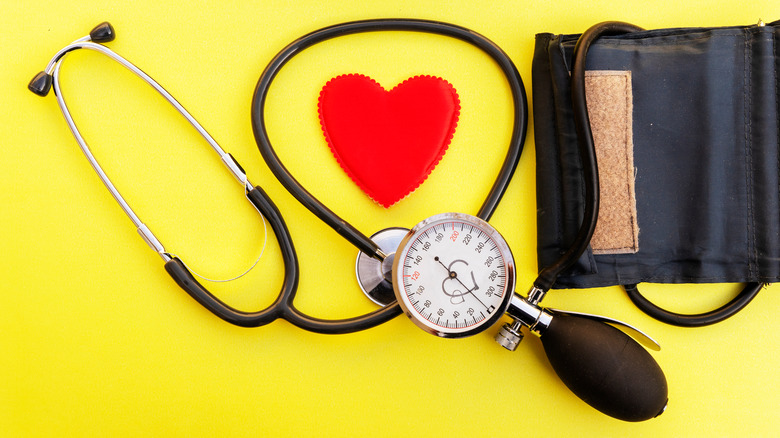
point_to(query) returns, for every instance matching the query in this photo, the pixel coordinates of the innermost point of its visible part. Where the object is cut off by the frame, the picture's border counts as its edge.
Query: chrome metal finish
(632, 331)
(510, 335)
(535, 295)
(84, 43)
(426, 322)
(235, 169)
(537, 319)
(533, 317)
(152, 241)
(380, 255)
(53, 68)
(524, 313)
(375, 276)
(70, 47)
(538, 328)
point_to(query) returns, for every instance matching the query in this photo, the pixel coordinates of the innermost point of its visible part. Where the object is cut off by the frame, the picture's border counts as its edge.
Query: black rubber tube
(283, 306)
(549, 274)
(345, 229)
(360, 240)
(186, 281)
(694, 320)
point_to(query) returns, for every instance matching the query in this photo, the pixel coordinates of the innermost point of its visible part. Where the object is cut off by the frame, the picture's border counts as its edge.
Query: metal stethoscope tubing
(282, 306)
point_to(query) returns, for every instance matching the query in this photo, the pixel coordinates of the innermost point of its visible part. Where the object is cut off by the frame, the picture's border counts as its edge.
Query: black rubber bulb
(605, 368)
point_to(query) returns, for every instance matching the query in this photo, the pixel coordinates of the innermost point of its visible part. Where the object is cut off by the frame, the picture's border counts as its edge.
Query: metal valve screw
(510, 335)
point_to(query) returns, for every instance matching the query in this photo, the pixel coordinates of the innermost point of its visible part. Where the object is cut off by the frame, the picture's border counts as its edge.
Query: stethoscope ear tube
(49, 78)
(283, 307)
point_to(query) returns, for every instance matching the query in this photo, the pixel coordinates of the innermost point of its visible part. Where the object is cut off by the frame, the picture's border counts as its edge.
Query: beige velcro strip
(610, 106)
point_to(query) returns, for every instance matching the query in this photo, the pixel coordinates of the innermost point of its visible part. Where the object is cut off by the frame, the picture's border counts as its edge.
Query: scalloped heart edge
(444, 149)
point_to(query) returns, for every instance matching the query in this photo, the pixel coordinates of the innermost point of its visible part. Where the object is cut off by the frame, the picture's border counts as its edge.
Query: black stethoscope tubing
(358, 239)
(345, 229)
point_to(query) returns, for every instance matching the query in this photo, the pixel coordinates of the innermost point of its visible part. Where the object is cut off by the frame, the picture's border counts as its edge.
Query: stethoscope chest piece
(374, 276)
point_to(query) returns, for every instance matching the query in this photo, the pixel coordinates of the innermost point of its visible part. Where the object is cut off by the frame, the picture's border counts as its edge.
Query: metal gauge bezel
(398, 280)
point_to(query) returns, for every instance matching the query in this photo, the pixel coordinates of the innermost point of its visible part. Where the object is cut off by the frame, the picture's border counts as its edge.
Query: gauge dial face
(453, 275)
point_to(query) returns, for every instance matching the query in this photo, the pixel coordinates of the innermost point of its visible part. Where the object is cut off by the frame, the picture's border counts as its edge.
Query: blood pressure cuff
(685, 123)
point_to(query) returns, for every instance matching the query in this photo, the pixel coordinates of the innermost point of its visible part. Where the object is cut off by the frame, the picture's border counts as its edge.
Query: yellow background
(96, 339)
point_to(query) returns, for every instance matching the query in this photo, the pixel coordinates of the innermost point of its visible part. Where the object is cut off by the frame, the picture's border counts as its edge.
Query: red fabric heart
(388, 142)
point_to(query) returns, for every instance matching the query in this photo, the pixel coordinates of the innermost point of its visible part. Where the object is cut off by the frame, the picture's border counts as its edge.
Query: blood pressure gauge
(453, 275)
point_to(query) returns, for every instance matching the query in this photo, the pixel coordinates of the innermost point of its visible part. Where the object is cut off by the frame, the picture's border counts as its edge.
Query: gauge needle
(454, 275)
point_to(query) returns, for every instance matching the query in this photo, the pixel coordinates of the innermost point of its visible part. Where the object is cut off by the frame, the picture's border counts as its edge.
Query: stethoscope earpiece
(41, 83)
(102, 33)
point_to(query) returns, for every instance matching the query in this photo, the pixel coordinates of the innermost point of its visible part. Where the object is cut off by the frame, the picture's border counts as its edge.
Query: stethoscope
(452, 274)
(283, 306)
